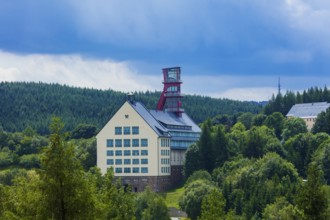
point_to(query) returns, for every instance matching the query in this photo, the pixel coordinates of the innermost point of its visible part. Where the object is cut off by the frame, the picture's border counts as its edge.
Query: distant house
(147, 147)
(308, 112)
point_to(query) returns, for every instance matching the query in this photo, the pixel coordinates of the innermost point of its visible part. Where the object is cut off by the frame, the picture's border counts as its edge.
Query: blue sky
(227, 49)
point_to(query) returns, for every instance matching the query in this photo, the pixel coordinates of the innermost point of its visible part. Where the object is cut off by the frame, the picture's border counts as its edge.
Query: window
(135, 142)
(144, 142)
(136, 170)
(110, 153)
(127, 142)
(144, 152)
(109, 161)
(119, 153)
(135, 130)
(135, 153)
(144, 169)
(144, 161)
(118, 130)
(127, 161)
(119, 170)
(127, 170)
(127, 130)
(127, 153)
(119, 161)
(136, 161)
(110, 143)
(118, 143)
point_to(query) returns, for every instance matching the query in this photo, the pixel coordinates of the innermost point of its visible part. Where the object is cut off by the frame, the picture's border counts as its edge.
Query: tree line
(33, 104)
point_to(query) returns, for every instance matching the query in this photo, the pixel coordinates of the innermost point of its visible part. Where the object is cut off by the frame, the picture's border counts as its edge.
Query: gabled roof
(308, 110)
(170, 118)
(149, 119)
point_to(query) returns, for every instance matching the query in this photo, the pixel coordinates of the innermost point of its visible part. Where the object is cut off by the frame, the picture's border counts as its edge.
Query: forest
(251, 165)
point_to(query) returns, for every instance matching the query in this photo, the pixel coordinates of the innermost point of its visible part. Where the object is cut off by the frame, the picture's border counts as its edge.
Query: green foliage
(282, 209)
(275, 121)
(292, 127)
(84, 131)
(65, 188)
(312, 197)
(246, 119)
(191, 201)
(205, 147)
(192, 161)
(322, 158)
(151, 206)
(322, 123)
(29, 161)
(213, 205)
(199, 175)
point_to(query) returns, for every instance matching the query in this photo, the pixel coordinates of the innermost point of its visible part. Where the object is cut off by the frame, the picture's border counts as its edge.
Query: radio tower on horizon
(279, 85)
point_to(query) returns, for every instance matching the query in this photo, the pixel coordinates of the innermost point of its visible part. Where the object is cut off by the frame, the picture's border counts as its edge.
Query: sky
(236, 49)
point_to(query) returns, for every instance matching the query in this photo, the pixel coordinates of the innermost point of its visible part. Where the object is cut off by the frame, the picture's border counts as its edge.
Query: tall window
(118, 143)
(109, 161)
(118, 130)
(135, 130)
(144, 169)
(144, 142)
(119, 153)
(135, 142)
(127, 142)
(109, 152)
(135, 153)
(127, 130)
(144, 152)
(109, 142)
(119, 170)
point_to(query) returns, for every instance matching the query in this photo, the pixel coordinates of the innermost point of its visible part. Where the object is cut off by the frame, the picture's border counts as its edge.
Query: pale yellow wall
(310, 122)
(145, 131)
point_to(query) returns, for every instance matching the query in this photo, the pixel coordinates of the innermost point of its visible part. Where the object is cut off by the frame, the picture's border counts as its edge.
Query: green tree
(205, 147)
(281, 209)
(84, 131)
(292, 127)
(64, 186)
(276, 122)
(192, 160)
(220, 147)
(213, 205)
(246, 119)
(312, 197)
(151, 206)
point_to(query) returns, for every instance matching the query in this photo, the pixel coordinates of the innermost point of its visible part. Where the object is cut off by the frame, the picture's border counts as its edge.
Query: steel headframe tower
(170, 99)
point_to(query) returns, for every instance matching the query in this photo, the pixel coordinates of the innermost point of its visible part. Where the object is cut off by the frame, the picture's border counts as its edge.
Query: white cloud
(75, 71)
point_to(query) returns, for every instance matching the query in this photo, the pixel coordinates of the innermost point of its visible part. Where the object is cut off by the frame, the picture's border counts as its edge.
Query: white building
(308, 112)
(147, 147)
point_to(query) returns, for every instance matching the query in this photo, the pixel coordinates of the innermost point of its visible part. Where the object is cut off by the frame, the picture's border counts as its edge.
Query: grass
(172, 197)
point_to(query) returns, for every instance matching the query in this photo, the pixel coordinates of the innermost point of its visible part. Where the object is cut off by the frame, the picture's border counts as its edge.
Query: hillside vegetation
(33, 104)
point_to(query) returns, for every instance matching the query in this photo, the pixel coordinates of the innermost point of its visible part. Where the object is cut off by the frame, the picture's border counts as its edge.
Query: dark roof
(308, 110)
(145, 114)
(170, 118)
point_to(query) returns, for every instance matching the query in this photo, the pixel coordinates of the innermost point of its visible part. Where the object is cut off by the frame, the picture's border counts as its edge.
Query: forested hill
(33, 104)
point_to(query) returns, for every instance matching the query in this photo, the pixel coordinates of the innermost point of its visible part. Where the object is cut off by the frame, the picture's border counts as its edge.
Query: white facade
(131, 146)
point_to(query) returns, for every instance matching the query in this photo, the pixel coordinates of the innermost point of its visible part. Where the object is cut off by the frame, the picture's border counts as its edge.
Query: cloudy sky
(226, 48)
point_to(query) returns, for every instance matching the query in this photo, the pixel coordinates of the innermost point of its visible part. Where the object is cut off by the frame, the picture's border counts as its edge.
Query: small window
(135, 153)
(144, 142)
(135, 130)
(144, 161)
(144, 169)
(109, 161)
(119, 162)
(144, 152)
(109, 142)
(127, 161)
(119, 170)
(127, 153)
(119, 153)
(127, 170)
(135, 142)
(127, 142)
(110, 153)
(127, 130)
(118, 143)
(136, 170)
(136, 161)
(118, 130)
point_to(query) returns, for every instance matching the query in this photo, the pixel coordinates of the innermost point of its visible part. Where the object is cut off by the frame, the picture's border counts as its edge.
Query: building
(308, 112)
(147, 147)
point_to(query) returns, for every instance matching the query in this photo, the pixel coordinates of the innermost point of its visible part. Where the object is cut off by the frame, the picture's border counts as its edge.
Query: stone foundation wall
(177, 174)
(156, 183)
